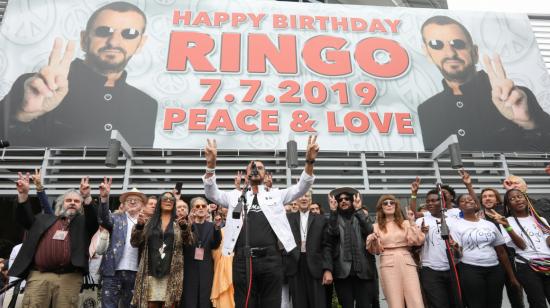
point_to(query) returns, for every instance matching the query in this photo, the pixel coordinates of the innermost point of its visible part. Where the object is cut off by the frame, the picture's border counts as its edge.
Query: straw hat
(133, 192)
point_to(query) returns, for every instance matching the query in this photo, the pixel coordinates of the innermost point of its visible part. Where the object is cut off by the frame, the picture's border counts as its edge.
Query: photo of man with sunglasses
(78, 102)
(486, 109)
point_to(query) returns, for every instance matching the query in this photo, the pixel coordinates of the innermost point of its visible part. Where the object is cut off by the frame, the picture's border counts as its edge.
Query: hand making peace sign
(46, 89)
(510, 100)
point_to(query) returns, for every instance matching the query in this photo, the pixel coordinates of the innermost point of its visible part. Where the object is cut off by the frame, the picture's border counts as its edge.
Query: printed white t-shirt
(433, 254)
(477, 240)
(535, 249)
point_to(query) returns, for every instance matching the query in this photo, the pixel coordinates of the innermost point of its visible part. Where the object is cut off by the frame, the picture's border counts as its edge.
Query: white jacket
(271, 202)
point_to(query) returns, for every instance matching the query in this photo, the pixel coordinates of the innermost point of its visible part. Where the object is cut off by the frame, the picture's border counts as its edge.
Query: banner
(254, 74)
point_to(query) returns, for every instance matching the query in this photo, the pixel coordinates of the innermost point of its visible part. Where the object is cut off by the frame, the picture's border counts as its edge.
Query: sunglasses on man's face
(105, 31)
(457, 44)
(343, 199)
(200, 206)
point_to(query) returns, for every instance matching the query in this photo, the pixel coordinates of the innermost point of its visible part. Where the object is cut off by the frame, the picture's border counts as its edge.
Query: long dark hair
(155, 221)
(530, 211)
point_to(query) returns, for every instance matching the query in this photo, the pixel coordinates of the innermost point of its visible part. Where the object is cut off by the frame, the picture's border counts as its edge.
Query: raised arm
(333, 229)
(307, 178)
(90, 209)
(467, 180)
(415, 185)
(42, 197)
(137, 237)
(104, 214)
(23, 211)
(364, 223)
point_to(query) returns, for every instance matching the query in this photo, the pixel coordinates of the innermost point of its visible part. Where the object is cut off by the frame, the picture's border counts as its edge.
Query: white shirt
(271, 203)
(477, 240)
(129, 260)
(539, 250)
(433, 254)
(13, 255)
(303, 230)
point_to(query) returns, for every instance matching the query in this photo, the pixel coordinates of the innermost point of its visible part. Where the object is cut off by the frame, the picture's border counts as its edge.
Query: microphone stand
(445, 235)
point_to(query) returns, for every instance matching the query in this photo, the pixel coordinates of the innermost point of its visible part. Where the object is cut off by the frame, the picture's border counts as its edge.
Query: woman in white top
(481, 275)
(529, 235)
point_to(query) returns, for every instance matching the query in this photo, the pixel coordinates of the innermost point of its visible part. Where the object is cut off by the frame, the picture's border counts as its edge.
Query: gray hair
(194, 200)
(61, 200)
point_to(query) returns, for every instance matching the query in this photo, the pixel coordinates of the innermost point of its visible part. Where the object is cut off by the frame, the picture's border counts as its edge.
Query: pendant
(161, 251)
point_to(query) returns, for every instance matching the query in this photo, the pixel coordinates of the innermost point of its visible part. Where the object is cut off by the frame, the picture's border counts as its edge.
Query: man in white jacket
(258, 262)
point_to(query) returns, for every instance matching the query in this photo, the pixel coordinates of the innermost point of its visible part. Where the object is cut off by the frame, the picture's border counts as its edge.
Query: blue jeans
(118, 288)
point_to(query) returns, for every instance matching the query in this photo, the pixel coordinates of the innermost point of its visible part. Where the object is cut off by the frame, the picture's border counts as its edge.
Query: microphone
(4, 144)
(239, 207)
(444, 228)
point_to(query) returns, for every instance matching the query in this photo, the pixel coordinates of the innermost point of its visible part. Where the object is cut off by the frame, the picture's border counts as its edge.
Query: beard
(457, 76)
(107, 67)
(65, 213)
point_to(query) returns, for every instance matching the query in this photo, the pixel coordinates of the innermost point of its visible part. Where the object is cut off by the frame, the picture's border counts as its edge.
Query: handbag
(102, 242)
(89, 297)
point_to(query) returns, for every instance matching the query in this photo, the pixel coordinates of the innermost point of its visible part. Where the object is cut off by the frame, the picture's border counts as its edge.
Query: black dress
(199, 274)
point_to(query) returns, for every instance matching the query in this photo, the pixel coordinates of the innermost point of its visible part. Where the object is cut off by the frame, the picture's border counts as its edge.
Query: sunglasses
(201, 206)
(166, 198)
(105, 31)
(343, 199)
(457, 44)
(388, 202)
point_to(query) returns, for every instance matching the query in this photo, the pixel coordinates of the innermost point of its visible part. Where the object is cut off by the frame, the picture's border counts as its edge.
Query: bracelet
(509, 229)
(413, 196)
(310, 161)
(210, 170)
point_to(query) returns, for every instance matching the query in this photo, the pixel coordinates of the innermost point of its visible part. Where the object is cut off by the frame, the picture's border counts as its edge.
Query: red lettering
(404, 123)
(397, 57)
(338, 62)
(190, 46)
(221, 120)
(282, 57)
(197, 119)
(173, 116)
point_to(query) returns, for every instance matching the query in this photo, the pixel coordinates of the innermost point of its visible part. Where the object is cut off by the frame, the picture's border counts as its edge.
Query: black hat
(348, 190)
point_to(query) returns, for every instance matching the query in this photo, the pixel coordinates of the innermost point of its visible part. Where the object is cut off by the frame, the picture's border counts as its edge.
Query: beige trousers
(399, 279)
(61, 290)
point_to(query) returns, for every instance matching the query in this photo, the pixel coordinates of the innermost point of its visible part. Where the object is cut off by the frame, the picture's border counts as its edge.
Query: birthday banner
(254, 74)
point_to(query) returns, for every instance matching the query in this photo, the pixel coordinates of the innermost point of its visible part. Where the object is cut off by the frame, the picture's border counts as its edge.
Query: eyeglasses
(457, 44)
(388, 202)
(166, 198)
(105, 31)
(132, 201)
(343, 199)
(200, 206)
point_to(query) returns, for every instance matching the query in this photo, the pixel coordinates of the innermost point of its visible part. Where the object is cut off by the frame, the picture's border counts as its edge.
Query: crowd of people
(263, 246)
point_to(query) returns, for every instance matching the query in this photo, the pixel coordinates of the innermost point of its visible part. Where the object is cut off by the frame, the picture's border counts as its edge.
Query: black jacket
(81, 230)
(318, 245)
(362, 227)
(477, 122)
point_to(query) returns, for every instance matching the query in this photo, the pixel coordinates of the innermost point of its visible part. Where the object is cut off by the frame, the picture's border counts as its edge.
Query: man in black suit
(313, 269)
(54, 256)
